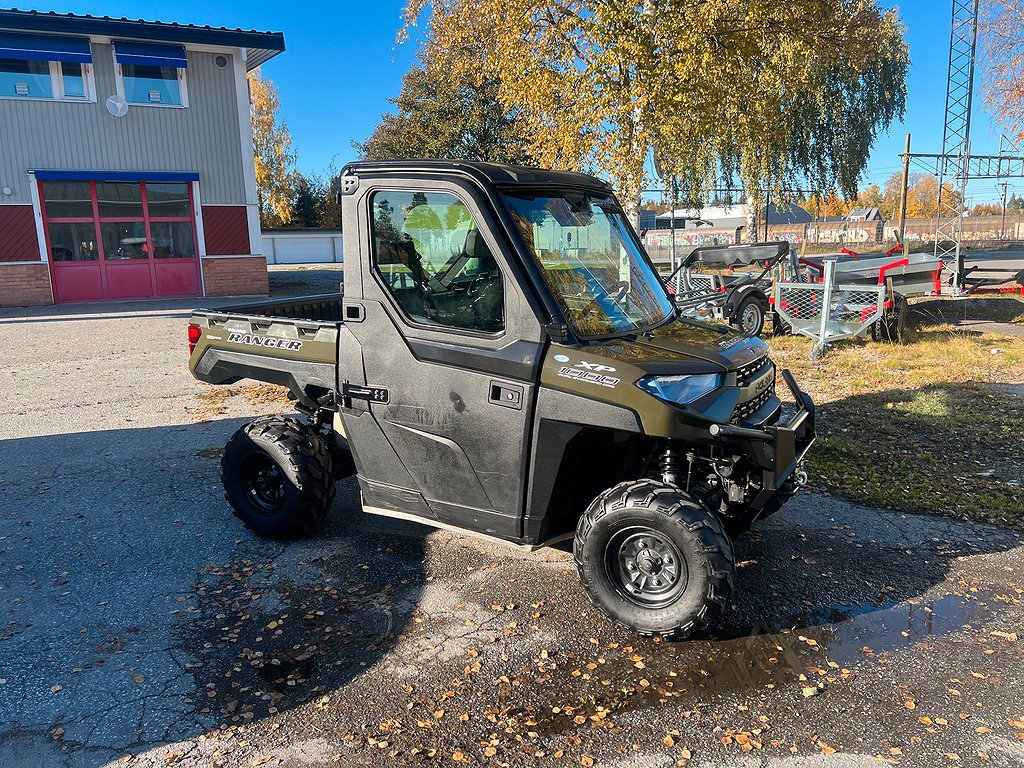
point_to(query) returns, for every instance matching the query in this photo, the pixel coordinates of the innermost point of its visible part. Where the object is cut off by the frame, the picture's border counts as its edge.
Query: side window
(435, 262)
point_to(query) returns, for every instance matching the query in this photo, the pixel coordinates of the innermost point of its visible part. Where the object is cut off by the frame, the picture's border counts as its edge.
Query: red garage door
(120, 239)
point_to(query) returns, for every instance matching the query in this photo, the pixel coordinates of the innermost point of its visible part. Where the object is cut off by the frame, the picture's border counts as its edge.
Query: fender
(736, 295)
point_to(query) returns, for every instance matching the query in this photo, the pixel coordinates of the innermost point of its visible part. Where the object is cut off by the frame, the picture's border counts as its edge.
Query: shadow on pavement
(138, 611)
(275, 633)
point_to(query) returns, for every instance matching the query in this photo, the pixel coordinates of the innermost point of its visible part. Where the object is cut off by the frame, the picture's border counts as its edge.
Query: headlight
(680, 389)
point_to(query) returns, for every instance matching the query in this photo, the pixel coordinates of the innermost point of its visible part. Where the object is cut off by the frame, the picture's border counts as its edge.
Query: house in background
(865, 214)
(126, 159)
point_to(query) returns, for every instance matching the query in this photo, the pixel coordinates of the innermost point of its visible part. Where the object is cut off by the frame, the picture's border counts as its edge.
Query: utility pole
(1002, 221)
(903, 191)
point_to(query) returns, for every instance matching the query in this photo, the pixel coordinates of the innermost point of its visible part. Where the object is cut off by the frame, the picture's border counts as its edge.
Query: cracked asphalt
(140, 624)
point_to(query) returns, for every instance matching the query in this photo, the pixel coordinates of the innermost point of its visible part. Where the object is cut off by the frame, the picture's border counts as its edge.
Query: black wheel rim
(750, 320)
(263, 483)
(646, 567)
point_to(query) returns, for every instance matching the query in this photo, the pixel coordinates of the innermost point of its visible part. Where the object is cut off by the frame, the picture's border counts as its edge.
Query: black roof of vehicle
(262, 46)
(494, 173)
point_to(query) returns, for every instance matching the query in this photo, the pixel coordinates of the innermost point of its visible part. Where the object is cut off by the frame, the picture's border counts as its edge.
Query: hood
(683, 346)
(608, 371)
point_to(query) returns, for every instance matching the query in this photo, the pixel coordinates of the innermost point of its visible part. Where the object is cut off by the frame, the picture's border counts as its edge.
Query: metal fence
(978, 231)
(302, 246)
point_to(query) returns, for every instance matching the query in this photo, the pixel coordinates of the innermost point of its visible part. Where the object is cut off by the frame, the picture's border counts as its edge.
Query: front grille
(751, 370)
(746, 374)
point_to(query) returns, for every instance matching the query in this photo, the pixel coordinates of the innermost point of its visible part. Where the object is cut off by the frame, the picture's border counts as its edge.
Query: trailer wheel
(890, 327)
(779, 326)
(278, 477)
(654, 559)
(749, 316)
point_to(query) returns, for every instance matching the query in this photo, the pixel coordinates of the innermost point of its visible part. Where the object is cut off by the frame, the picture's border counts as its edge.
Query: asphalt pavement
(142, 625)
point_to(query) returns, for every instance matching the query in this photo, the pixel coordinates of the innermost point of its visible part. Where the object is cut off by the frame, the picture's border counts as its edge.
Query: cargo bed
(293, 343)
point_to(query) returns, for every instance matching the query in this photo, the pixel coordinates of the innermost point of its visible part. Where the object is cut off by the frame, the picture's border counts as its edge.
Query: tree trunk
(631, 207)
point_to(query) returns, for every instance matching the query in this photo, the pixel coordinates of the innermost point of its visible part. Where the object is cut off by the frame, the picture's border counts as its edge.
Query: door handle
(506, 395)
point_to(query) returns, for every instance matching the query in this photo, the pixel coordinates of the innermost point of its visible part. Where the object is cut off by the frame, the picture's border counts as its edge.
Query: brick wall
(24, 285)
(18, 241)
(239, 276)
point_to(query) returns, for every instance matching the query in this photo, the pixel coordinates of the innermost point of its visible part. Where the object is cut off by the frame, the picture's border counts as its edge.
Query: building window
(119, 220)
(72, 241)
(30, 79)
(144, 84)
(45, 67)
(25, 78)
(151, 74)
(72, 80)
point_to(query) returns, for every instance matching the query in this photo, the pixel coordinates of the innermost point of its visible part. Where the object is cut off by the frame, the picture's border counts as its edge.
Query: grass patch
(922, 427)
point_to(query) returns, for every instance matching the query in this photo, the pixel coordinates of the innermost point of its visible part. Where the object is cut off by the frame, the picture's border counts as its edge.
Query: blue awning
(49, 174)
(14, 45)
(150, 54)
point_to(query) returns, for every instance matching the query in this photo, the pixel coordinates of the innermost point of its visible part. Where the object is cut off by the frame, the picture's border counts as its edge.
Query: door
(448, 333)
(120, 239)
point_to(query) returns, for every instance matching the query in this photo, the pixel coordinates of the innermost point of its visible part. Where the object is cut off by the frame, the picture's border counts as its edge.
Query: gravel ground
(140, 623)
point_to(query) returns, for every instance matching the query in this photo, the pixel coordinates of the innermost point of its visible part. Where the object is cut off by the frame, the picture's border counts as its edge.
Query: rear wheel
(750, 316)
(654, 559)
(278, 477)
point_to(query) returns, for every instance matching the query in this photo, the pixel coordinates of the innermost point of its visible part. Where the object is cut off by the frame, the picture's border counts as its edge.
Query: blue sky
(342, 65)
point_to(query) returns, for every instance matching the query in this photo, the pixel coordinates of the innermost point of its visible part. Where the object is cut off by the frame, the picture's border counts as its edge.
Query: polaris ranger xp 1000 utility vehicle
(504, 360)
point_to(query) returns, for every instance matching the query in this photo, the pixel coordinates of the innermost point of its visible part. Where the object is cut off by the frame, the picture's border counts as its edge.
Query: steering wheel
(473, 289)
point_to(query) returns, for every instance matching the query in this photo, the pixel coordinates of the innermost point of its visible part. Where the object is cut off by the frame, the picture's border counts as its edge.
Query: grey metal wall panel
(204, 137)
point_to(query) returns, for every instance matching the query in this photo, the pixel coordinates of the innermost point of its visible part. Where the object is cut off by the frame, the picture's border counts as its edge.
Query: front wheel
(278, 477)
(654, 559)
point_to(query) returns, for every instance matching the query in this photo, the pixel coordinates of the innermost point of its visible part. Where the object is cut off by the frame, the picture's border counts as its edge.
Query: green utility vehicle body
(504, 360)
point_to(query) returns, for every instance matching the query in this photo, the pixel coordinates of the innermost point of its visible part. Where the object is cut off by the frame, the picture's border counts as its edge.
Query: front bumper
(777, 449)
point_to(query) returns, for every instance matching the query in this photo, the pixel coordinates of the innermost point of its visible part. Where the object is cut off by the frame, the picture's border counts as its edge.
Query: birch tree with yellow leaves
(272, 149)
(773, 93)
(1003, 63)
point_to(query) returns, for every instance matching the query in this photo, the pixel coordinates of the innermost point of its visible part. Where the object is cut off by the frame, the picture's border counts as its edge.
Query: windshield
(591, 262)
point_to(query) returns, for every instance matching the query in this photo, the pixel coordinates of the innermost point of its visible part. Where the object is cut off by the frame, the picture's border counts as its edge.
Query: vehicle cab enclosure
(505, 360)
(521, 356)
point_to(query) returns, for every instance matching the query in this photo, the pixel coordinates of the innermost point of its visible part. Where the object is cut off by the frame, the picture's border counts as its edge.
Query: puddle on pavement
(905, 624)
(826, 649)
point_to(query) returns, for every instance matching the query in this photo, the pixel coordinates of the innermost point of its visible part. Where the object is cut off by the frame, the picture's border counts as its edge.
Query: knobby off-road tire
(649, 536)
(278, 477)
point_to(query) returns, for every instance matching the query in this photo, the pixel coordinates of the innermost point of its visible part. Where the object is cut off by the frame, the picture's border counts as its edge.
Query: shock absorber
(671, 463)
